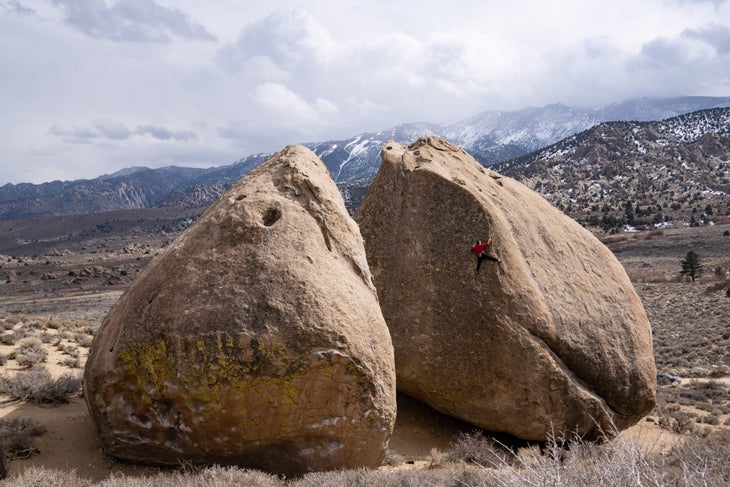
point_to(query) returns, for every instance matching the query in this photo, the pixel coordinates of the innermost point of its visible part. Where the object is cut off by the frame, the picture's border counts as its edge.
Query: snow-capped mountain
(359, 156)
(491, 137)
(645, 173)
(494, 136)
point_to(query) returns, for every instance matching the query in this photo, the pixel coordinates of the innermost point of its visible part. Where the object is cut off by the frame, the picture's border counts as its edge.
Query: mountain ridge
(491, 137)
(636, 173)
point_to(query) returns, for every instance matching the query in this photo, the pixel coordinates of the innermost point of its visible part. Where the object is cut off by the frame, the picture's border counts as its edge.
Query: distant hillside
(638, 173)
(132, 188)
(491, 137)
(141, 188)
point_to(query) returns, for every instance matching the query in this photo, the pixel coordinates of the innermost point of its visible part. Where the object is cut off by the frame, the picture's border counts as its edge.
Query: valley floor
(57, 299)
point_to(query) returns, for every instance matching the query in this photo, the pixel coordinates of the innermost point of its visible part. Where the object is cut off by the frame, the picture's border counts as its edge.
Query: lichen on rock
(255, 339)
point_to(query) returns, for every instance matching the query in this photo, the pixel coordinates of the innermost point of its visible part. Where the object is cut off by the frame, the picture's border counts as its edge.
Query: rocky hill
(140, 188)
(128, 189)
(636, 173)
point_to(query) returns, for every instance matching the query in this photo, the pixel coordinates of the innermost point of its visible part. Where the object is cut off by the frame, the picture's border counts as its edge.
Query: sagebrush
(38, 386)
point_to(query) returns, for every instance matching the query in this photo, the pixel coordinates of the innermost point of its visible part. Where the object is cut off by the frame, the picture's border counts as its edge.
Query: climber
(480, 249)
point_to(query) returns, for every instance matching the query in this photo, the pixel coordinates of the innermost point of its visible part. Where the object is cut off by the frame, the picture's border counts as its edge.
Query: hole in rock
(272, 216)
(142, 419)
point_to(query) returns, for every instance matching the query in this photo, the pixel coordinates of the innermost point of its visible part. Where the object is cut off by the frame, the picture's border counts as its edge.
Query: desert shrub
(720, 370)
(83, 339)
(718, 286)
(230, 477)
(33, 325)
(576, 463)
(437, 458)
(18, 435)
(710, 419)
(71, 350)
(478, 449)
(701, 394)
(211, 476)
(71, 362)
(7, 339)
(651, 277)
(30, 352)
(3, 359)
(39, 476)
(37, 386)
(20, 333)
(673, 418)
(700, 460)
(393, 459)
(451, 475)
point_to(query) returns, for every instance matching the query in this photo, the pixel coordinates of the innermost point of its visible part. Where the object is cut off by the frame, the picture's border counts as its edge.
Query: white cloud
(131, 20)
(288, 39)
(98, 83)
(113, 130)
(285, 107)
(15, 7)
(163, 133)
(715, 35)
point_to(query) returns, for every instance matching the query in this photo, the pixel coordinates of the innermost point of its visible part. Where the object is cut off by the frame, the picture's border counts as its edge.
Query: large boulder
(256, 339)
(552, 340)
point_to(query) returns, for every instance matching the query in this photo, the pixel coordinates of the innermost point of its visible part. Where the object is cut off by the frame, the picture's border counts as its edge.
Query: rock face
(552, 340)
(256, 339)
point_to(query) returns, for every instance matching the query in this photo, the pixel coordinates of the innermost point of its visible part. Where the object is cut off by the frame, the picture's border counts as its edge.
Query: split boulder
(552, 340)
(256, 339)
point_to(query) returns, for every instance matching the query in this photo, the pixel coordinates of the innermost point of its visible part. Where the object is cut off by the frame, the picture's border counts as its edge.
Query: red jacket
(479, 248)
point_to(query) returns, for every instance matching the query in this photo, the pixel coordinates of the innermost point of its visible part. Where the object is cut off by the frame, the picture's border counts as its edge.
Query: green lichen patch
(222, 389)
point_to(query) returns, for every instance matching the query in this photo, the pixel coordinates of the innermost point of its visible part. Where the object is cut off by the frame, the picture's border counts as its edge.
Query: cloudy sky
(88, 87)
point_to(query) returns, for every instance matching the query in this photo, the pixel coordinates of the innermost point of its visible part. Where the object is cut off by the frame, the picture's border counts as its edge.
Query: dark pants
(484, 256)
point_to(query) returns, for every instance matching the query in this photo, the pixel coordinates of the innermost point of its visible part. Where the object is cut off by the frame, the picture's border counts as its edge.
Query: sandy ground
(71, 442)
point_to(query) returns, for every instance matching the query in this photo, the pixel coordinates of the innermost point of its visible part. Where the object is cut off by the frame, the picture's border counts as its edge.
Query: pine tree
(629, 213)
(691, 265)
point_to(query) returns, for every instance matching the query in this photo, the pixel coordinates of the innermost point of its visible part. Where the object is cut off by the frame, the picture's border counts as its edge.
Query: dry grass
(39, 387)
(17, 436)
(31, 352)
(696, 461)
(691, 337)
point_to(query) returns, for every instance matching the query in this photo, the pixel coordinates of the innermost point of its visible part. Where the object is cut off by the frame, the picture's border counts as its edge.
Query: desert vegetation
(475, 460)
(46, 327)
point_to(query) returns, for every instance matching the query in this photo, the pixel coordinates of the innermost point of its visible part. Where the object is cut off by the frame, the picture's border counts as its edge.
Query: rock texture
(552, 340)
(256, 339)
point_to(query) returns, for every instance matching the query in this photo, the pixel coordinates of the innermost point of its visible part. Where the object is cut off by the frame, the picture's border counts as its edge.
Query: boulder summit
(552, 340)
